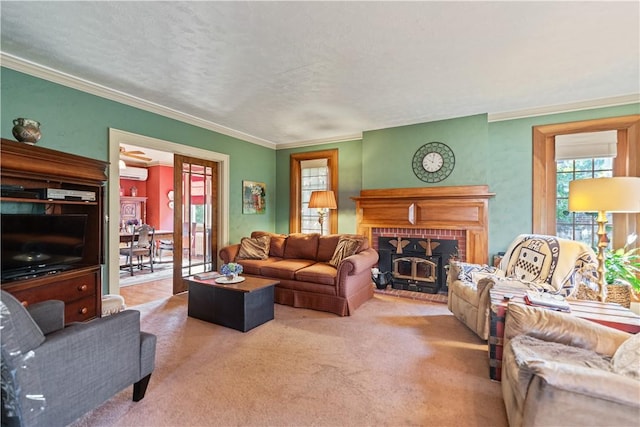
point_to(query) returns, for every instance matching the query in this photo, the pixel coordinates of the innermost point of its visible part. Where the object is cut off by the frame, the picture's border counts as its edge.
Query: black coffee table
(241, 306)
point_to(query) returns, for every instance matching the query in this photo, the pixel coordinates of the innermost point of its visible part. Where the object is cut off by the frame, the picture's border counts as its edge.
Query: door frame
(117, 137)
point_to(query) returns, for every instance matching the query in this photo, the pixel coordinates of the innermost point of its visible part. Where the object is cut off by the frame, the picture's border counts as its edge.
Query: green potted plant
(622, 267)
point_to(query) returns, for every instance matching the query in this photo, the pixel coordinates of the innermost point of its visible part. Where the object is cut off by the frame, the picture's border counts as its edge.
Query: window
(320, 173)
(315, 176)
(580, 226)
(626, 163)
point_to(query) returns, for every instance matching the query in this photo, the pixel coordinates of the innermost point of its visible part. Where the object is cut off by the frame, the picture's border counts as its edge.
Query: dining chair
(164, 245)
(140, 246)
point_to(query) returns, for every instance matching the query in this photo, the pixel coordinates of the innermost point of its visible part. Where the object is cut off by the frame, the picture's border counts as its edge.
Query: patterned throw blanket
(550, 263)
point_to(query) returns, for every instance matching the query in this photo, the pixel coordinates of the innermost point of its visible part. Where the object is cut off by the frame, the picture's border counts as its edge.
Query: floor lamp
(322, 200)
(602, 195)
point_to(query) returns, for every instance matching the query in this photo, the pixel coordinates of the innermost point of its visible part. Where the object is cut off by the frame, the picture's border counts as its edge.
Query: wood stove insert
(416, 264)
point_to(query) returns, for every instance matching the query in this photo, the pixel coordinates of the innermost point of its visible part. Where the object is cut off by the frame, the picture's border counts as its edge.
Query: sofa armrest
(358, 263)
(106, 351)
(147, 353)
(592, 382)
(48, 315)
(564, 328)
(229, 253)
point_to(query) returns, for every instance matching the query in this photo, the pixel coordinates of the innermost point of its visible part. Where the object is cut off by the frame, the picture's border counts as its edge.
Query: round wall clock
(433, 162)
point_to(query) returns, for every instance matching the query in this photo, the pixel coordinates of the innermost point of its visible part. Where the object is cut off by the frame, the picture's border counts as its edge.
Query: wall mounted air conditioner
(136, 174)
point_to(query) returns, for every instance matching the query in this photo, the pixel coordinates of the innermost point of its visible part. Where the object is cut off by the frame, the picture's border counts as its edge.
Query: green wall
(510, 170)
(77, 122)
(495, 153)
(499, 154)
(388, 153)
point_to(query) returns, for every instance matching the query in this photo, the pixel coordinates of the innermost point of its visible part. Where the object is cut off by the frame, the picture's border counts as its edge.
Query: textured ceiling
(289, 72)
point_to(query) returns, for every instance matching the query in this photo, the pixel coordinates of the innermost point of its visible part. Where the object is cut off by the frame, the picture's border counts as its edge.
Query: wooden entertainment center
(33, 167)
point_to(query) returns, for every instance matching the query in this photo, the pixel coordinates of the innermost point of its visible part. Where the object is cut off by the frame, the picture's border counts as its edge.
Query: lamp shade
(617, 194)
(323, 200)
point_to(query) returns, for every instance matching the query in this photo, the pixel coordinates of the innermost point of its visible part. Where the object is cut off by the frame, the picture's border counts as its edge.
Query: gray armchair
(52, 374)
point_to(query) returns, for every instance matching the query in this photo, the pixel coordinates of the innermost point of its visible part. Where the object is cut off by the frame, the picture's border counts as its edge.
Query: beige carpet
(395, 362)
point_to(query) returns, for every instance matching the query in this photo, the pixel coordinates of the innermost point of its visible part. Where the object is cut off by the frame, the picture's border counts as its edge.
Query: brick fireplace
(422, 214)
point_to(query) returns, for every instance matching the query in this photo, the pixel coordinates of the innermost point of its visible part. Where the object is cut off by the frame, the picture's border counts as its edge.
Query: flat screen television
(36, 245)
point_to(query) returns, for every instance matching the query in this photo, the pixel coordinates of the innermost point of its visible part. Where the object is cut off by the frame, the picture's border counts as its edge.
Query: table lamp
(602, 195)
(322, 200)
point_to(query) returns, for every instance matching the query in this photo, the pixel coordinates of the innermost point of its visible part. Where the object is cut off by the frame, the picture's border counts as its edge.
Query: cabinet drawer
(80, 310)
(66, 290)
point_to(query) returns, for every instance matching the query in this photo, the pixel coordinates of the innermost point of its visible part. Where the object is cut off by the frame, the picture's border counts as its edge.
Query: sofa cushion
(346, 247)
(284, 269)
(254, 248)
(319, 272)
(301, 246)
(529, 349)
(327, 246)
(277, 244)
(626, 359)
(254, 266)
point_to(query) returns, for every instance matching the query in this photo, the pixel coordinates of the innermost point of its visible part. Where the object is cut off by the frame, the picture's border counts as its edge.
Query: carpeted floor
(394, 362)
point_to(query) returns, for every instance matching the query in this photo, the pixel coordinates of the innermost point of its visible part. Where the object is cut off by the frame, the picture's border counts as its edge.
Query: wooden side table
(608, 314)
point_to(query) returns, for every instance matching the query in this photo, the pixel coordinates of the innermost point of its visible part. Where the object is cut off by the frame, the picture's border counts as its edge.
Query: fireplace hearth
(416, 264)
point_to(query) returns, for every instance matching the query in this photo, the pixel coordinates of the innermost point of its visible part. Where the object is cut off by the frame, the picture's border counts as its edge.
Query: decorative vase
(26, 130)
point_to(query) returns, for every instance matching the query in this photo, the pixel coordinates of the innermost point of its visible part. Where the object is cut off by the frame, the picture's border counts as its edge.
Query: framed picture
(254, 197)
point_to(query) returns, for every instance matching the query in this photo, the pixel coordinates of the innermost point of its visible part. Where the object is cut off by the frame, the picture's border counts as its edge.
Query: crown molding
(55, 76)
(565, 108)
(312, 142)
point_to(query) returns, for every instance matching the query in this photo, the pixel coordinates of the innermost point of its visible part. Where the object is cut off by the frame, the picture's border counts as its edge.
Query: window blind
(586, 145)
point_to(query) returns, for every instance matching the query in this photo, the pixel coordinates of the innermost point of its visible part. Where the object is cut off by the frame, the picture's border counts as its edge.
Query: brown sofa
(302, 264)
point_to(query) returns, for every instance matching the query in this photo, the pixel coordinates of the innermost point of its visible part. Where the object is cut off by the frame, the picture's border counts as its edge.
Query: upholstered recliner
(52, 374)
(547, 263)
(558, 369)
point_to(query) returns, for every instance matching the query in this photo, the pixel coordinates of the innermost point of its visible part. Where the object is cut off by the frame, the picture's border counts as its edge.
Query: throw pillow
(254, 248)
(467, 270)
(278, 242)
(346, 247)
(626, 359)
